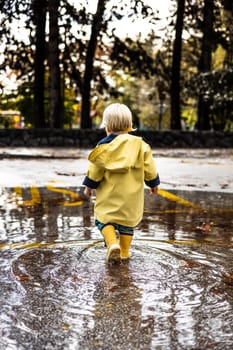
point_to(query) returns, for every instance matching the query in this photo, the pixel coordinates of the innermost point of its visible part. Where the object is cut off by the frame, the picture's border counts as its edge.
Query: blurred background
(63, 61)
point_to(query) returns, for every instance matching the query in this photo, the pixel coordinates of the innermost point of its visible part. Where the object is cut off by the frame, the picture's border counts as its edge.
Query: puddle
(57, 292)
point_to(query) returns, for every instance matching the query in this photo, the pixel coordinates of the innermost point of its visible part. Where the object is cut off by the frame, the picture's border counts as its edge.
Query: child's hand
(88, 192)
(153, 190)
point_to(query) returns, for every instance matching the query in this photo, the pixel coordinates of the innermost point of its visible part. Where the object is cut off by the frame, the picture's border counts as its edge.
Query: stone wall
(89, 138)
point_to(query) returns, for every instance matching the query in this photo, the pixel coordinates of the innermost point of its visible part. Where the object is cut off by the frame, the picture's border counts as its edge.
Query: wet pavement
(204, 169)
(57, 292)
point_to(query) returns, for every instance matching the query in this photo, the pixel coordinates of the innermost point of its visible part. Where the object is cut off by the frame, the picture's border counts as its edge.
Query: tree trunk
(228, 15)
(175, 70)
(55, 100)
(39, 9)
(205, 62)
(86, 122)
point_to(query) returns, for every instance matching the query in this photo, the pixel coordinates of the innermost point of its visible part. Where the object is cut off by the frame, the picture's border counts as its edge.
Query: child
(119, 165)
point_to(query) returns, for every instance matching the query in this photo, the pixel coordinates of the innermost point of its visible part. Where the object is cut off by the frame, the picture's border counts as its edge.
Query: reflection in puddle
(57, 292)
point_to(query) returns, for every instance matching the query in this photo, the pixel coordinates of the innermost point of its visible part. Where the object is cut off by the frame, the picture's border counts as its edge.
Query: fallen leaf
(22, 277)
(188, 264)
(224, 186)
(228, 279)
(204, 227)
(65, 327)
(76, 278)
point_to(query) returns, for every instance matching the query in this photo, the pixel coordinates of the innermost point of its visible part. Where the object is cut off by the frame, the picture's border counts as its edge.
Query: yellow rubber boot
(113, 253)
(125, 243)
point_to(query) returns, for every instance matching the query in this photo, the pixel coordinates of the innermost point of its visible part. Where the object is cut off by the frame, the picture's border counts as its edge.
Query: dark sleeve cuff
(153, 183)
(90, 183)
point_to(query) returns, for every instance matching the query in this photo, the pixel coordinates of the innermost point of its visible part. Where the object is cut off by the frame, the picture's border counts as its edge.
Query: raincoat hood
(118, 170)
(121, 154)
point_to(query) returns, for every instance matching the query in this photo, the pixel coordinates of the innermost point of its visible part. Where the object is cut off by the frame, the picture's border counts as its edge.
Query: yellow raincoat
(118, 170)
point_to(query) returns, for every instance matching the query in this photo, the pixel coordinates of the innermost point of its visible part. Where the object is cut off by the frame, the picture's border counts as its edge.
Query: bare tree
(39, 12)
(205, 61)
(90, 56)
(55, 105)
(175, 69)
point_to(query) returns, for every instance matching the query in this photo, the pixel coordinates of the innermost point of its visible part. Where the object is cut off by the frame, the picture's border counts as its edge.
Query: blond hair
(117, 117)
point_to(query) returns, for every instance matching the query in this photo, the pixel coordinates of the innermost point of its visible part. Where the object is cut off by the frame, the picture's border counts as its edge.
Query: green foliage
(21, 101)
(216, 89)
(133, 57)
(70, 108)
(220, 97)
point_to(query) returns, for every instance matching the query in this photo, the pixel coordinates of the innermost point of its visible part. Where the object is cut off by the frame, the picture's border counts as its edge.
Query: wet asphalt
(184, 169)
(57, 292)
